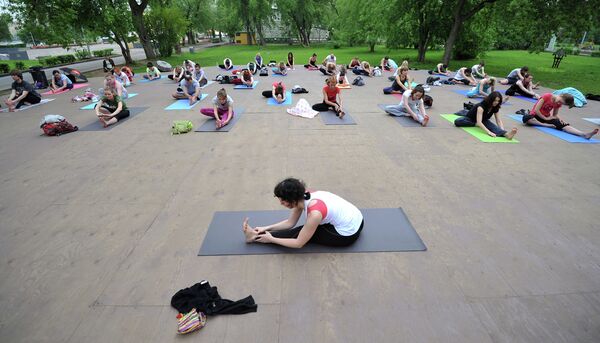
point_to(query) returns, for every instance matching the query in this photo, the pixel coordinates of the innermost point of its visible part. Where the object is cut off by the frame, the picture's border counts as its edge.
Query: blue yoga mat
(520, 97)
(558, 133)
(146, 80)
(288, 100)
(461, 91)
(93, 104)
(184, 104)
(246, 87)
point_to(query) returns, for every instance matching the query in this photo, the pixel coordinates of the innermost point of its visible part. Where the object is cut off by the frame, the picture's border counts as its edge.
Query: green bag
(181, 126)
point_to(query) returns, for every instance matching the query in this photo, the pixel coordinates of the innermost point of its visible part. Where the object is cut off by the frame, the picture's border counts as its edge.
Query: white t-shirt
(340, 213)
(413, 104)
(220, 106)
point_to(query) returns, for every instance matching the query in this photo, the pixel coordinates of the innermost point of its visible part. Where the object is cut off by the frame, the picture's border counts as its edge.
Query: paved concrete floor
(100, 229)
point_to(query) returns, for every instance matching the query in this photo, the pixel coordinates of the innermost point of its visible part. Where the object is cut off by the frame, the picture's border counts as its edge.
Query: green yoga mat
(479, 133)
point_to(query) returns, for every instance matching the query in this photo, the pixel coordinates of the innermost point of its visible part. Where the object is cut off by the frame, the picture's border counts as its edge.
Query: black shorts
(557, 123)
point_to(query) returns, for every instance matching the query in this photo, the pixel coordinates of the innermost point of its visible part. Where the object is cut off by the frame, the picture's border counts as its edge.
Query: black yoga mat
(329, 118)
(96, 126)
(385, 229)
(406, 121)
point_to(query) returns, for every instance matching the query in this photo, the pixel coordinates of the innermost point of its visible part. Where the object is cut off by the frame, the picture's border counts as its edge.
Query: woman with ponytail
(330, 220)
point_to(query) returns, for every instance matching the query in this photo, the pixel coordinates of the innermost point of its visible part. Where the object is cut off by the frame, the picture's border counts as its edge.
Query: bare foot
(511, 133)
(342, 114)
(425, 121)
(590, 134)
(248, 232)
(506, 99)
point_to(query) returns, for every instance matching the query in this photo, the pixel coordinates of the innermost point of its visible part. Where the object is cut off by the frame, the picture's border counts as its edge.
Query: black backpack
(264, 72)
(252, 67)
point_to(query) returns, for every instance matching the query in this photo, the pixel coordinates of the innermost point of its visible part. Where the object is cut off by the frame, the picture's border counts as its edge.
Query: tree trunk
(422, 48)
(460, 16)
(124, 48)
(372, 47)
(137, 16)
(261, 37)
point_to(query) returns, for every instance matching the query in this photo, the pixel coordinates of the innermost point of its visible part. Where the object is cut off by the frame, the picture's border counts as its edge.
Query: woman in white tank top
(330, 219)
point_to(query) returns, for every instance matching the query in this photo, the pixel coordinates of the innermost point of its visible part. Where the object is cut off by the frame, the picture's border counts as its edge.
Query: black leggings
(465, 82)
(515, 89)
(314, 65)
(267, 94)
(323, 107)
(29, 99)
(325, 234)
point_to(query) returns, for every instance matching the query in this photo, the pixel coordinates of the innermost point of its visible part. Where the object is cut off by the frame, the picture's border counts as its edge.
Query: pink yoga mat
(75, 86)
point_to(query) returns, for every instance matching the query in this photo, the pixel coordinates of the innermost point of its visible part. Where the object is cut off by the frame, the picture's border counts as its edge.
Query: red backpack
(58, 128)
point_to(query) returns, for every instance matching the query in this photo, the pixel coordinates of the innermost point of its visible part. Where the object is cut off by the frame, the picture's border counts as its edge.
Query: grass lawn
(581, 72)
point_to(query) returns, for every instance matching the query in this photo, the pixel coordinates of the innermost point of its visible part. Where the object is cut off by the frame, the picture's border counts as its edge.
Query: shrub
(102, 53)
(595, 53)
(575, 51)
(4, 68)
(20, 65)
(82, 54)
(51, 61)
(63, 59)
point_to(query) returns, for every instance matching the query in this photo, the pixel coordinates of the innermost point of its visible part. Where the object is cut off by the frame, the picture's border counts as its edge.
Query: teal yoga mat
(288, 100)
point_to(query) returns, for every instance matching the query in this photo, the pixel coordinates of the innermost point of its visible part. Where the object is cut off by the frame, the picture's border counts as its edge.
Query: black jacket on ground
(205, 298)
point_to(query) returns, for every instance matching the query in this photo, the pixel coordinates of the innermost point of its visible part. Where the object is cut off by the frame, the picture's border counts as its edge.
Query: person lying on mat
(60, 82)
(110, 82)
(355, 62)
(341, 77)
(227, 64)
(545, 113)
(515, 75)
(280, 69)
(22, 92)
(480, 115)
(402, 82)
(463, 75)
(277, 93)
(411, 105)
(483, 88)
(332, 98)
(152, 73)
(111, 108)
(523, 87)
(177, 74)
(330, 219)
(222, 109)
(290, 60)
(188, 88)
(246, 79)
(312, 62)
